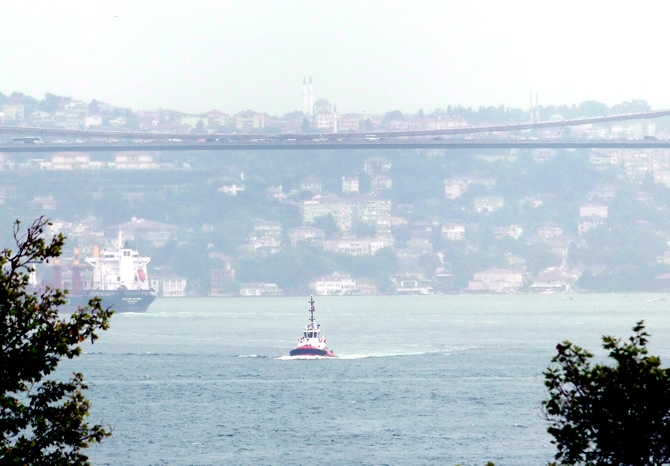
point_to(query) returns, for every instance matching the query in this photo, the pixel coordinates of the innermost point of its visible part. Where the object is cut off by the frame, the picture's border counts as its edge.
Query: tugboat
(312, 343)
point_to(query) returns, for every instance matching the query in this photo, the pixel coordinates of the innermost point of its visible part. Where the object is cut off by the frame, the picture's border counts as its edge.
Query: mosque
(323, 114)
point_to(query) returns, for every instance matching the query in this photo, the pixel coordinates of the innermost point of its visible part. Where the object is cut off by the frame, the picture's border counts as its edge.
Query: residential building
(453, 231)
(593, 210)
(380, 183)
(321, 206)
(335, 284)
(513, 231)
(549, 230)
(350, 122)
(488, 203)
(156, 233)
(231, 189)
(307, 235)
(13, 112)
(249, 120)
(354, 246)
(349, 184)
(70, 161)
(260, 289)
(311, 183)
(376, 165)
(453, 189)
(134, 161)
(497, 280)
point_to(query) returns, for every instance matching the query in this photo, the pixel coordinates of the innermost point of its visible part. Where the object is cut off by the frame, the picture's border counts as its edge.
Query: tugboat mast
(311, 309)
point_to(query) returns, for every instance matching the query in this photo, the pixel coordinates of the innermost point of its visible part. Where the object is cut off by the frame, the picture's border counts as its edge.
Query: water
(420, 380)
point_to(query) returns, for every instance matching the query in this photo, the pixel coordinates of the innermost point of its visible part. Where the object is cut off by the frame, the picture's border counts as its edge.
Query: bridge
(120, 141)
(381, 144)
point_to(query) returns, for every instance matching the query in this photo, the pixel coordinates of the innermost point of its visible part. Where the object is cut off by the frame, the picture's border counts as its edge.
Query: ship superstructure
(119, 269)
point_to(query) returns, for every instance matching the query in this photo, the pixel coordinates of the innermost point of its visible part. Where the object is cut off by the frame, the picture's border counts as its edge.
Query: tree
(328, 224)
(41, 420)
(395, 115)
(610, 415)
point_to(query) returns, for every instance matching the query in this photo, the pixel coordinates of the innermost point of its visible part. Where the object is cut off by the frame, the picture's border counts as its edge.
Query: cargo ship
(118, 277)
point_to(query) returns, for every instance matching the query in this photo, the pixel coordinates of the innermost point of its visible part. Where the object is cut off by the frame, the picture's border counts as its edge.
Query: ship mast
(311, 309)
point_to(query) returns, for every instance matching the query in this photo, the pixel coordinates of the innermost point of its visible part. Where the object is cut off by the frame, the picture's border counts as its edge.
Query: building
(453, 189)
(380, 183)
(335, 284)
(350, 122)
(453, 231)
(260, 289)
(488, 203)
(134, 161)
(156, 233)
(249, 120)
(231, 189)
(267, 228)
(174, 287)
(496, 280)
(221, 275)
(217, 119)
(376, 165)
(554, 279)
(13, 112)
(354, 246)
(70, 161)
(307, 235)
(322, 206)
(372, 210)
(349, 184)
(550, 230)
(312, 184)
(513, 231)
(593, 210)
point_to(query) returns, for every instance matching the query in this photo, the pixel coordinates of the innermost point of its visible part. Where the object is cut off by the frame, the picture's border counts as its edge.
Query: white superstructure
(119, 269)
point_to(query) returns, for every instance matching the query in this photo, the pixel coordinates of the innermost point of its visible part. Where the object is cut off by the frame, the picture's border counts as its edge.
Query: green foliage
(41, 420)
(192, 262)
(395, 115)
(611, 415)
(328, 224)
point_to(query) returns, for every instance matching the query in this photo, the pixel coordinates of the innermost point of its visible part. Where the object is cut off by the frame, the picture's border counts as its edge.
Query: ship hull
(311, 351)
(117, 300)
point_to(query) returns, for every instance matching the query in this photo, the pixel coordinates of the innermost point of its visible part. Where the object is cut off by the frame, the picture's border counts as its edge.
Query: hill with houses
(357, 222)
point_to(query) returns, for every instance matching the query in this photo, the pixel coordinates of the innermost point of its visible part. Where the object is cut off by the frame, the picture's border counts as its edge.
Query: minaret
(304, 96)
(537, 108)
(311, 96)
(335, 119)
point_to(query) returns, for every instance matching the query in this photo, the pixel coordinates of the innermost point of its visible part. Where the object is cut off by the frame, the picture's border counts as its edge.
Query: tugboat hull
(311, 351)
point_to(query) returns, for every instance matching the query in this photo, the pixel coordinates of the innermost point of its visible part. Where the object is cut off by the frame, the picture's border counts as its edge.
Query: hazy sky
(372, 56)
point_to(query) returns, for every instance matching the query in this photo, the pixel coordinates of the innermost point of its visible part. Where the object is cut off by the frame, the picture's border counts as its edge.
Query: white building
(134, 161)
(349, 184)
(497, 280)
(336, 284)
(354, 247)
(453, 231)
(488, 203)
(593, 210)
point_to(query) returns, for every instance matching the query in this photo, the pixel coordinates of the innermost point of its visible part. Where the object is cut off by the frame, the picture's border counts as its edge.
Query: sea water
(420, 380)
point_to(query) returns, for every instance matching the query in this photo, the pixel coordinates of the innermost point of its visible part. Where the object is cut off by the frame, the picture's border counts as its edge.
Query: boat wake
(360, 356)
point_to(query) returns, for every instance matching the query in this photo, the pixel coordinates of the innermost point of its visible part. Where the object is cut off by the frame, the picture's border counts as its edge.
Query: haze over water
(419, 380)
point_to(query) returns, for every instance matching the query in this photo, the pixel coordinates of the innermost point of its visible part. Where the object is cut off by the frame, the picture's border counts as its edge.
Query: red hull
(311, 351)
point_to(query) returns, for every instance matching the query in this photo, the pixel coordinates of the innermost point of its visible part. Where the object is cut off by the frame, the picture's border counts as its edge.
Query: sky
(364, 56)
